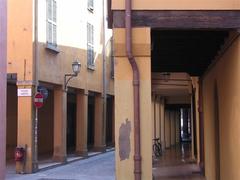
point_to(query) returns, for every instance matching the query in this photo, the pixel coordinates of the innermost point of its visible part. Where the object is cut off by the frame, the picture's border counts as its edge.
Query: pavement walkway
(100, 167)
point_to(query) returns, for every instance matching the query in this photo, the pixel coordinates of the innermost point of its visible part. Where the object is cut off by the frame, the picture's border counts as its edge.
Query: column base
(35, 167)
(62, 159)
(20, 168)
(99, 148)
(83, 153)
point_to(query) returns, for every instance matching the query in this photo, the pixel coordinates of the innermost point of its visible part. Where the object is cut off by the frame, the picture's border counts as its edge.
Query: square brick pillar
(99, 125)
(162, 119)
(60, 125)
(25, 128)
(167, 129)
(173, 128)
(82, 123)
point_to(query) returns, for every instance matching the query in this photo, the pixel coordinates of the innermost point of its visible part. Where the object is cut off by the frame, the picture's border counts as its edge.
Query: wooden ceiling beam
(172, 19)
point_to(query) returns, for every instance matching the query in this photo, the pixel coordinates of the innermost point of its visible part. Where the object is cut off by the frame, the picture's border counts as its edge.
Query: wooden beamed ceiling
(190, 51)
(182, 41)
(178, 19)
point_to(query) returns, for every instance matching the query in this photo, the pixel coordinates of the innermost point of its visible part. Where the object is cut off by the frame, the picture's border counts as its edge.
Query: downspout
(136, 83)
(36, 68)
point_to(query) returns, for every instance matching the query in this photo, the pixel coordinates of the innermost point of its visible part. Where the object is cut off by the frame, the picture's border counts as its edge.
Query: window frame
(90, 46)
(51, 21)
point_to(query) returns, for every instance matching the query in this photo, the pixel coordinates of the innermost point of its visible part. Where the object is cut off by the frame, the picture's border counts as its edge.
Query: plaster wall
(72, 44)
(225, 74)
(71, 40)
(175, 5)
(20, 39)
(124, 105)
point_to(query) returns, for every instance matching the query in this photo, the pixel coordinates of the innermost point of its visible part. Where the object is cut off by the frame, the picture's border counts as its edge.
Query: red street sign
(38, 100)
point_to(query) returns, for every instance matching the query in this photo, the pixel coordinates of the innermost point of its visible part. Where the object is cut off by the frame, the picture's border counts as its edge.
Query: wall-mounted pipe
(136, 84)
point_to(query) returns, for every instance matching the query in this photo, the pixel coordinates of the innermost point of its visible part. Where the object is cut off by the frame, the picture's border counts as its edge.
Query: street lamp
(76, 69)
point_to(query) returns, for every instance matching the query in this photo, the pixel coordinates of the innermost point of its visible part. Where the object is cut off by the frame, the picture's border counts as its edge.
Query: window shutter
(54, 34)
(49, 33)
(90, 5)
(51, 22)
(49, 9)
(54, 11)
(90, 44)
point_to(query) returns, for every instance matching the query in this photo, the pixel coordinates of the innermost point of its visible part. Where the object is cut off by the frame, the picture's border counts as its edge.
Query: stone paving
(100, 167)
(176, 164)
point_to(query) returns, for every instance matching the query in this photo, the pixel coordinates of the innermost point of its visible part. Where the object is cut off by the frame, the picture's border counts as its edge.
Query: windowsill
(91, 67)
(52, 48)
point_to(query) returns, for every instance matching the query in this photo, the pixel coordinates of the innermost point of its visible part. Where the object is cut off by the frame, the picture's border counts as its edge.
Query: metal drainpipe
(136, 83)
(36, 68)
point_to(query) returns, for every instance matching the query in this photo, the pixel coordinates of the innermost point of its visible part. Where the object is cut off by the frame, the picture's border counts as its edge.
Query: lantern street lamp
(76, 69)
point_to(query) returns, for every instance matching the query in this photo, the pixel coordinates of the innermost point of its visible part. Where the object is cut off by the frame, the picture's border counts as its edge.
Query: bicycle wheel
(156, 150)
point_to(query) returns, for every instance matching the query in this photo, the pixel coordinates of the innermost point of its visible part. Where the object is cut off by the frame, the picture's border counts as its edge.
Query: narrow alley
(99, 167)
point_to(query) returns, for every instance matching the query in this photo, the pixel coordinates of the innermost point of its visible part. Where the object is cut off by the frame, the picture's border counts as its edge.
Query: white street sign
(24, 92)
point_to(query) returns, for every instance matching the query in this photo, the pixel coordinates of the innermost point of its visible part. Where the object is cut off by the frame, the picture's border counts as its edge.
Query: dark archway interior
(190, 51)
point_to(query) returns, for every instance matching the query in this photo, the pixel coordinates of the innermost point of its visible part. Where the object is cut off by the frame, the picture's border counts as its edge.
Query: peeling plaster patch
(124, 140)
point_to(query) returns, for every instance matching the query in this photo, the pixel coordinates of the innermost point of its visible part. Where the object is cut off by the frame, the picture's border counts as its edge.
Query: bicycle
(157, 147)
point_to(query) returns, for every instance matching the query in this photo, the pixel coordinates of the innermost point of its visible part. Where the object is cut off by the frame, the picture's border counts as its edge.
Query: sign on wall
(24, 92)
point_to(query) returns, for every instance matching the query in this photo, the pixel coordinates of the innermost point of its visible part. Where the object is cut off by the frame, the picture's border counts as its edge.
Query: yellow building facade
(44, 38)
(188, 58)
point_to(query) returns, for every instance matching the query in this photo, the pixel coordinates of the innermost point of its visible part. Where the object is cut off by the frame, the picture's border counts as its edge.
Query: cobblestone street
(100, 167)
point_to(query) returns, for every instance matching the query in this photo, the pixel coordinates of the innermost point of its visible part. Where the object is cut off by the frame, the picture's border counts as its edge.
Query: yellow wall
(124, 99)
(20, 39)
(226, 73)
(72, 44)
(175, 5)
(71, 40)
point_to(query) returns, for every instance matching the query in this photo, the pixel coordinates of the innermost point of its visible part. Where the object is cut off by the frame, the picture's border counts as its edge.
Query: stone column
(167, 129)
(162, 119)
(157, 115)
(3, 84)
(173, 128)
(99, 125)
(113, 121)
(60, 125)
(82, 122)
(185, 123)
(153, 117)
(177, 117)
(25, 136)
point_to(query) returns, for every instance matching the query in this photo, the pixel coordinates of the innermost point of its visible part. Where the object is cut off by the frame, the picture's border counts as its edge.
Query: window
(90, 5)
(90, 45)
(52, 23)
